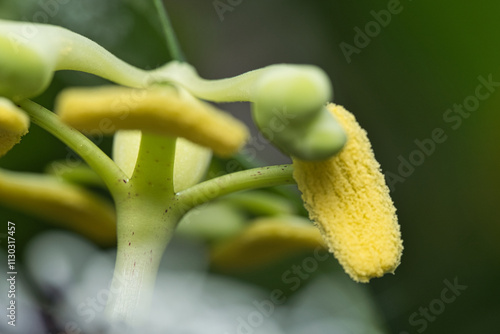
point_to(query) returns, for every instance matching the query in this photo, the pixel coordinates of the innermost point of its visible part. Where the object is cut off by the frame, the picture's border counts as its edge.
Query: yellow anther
(266, 240)
(62, 203)
(349, 200)
(162, 110)
(14, 124)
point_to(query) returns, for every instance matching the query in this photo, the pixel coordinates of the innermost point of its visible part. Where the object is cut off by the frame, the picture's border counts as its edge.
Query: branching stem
(245, 180)
(107, 169)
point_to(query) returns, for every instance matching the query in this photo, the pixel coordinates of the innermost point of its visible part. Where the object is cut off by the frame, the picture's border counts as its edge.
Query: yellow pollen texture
(162, 110)
(348, 199)
(14, 124)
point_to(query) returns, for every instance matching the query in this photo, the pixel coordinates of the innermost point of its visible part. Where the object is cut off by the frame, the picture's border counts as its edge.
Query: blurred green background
(399, 82)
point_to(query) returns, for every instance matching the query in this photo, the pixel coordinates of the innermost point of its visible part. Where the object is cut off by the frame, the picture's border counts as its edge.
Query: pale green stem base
(145, 227)
(146, 222)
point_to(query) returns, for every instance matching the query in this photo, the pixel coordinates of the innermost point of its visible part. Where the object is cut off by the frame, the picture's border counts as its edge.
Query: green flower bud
(290, 110)
(30, 54)
(24, 71)
(289, 104)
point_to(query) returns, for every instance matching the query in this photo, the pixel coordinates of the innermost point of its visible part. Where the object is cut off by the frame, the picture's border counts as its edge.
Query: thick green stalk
(147, 216)
(145, 226)
(146, 222)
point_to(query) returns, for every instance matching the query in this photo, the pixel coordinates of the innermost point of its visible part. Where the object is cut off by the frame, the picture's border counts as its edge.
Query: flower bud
(25, 71)
(289, 108)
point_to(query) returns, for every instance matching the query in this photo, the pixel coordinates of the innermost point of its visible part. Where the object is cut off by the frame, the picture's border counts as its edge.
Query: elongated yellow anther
(14, 124)
(162, 110)
(62, 203)
(266, 240)
(349, 200)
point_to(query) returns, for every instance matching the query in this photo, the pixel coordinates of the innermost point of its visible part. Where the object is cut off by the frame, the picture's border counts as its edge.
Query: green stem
(83, 54)
(111, 174)
(147, 216)
(248, 179)
(145, 227)
(239, 88)
(168, 30)
(291, 194)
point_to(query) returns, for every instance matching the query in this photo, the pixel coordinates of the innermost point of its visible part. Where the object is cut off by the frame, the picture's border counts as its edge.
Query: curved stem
(111, 174)
(168, 30)
(291, 195)
(230, 183)
(247, 86)
(239, 88)
(85, 55)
